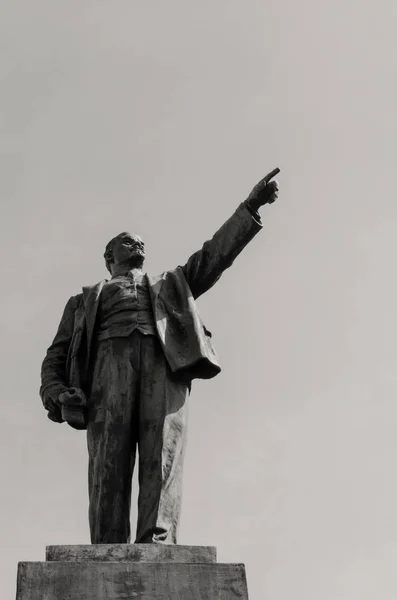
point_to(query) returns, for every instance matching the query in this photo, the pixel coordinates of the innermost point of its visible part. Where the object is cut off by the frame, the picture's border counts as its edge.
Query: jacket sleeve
(204, 267)
(53, 370)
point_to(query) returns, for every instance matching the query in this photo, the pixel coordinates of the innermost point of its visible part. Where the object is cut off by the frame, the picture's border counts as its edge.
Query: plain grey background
(159, 117)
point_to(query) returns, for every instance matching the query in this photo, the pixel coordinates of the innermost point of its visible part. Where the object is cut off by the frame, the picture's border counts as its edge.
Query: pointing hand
(265, 191)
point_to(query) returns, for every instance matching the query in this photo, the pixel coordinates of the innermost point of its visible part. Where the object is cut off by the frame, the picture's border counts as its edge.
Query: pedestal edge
(131, 553)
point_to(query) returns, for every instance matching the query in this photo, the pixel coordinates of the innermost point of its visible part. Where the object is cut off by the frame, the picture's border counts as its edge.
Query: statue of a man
(121, 366)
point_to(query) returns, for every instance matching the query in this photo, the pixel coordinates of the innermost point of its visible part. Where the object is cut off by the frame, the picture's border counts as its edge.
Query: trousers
(135, 403)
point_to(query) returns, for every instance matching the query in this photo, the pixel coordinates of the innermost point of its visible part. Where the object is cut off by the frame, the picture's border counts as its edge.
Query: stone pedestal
(131, 572)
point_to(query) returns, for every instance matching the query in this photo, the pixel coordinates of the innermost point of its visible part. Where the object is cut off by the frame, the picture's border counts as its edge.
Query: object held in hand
(73, 403)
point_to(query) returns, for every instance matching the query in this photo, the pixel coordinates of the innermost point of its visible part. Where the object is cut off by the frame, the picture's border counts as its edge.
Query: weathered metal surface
(130, 581)
(132, 552)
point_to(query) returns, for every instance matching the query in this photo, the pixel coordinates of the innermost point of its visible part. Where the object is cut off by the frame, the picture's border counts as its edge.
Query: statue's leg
(111, 437)
(161, 441)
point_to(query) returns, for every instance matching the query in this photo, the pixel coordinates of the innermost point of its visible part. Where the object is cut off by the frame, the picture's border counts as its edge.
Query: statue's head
(126, 249)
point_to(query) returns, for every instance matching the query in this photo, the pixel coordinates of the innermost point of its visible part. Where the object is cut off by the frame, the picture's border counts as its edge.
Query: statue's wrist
(253, 205)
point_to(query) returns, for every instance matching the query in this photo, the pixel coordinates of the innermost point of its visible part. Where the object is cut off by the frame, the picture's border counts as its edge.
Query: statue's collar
(133, 273)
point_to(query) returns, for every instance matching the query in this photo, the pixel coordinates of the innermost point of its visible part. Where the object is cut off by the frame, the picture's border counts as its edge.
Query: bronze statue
(121, 366)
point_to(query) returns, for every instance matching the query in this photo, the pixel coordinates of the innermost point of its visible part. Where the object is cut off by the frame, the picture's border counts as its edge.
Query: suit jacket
(184, 338)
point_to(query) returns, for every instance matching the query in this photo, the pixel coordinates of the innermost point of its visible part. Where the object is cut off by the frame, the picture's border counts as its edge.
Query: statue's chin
(136, 262)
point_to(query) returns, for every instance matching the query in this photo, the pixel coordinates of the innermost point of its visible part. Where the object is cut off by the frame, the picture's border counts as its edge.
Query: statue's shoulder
(92, 291)
(156, 281)
(170, 283)
(74, 301)
(77, 298)
(87, 291)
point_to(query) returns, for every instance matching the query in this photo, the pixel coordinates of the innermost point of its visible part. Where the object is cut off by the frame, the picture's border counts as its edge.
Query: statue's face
(129, 249)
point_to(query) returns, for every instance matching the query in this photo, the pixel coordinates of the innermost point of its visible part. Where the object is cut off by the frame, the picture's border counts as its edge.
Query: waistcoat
(125, 306)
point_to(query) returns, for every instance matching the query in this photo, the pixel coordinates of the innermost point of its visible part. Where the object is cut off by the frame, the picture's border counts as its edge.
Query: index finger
(270, 175)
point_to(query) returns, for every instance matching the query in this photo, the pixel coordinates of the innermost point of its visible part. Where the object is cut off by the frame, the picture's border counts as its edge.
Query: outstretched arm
(204, 267)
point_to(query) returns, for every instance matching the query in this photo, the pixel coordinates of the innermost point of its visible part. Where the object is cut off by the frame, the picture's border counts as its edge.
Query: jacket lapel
(155, 285)
(91, 294)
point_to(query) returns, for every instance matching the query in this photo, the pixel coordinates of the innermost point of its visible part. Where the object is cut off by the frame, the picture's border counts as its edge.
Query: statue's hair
(108, 256)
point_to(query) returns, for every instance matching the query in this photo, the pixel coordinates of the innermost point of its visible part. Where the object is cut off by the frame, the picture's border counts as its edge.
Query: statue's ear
(108, 256)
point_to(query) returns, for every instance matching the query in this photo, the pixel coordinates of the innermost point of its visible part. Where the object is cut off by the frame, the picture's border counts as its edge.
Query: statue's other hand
(73, 403)
(265, 192)
(52, 404)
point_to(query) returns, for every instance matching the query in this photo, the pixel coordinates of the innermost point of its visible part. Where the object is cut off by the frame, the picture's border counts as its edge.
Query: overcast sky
(158, 117)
